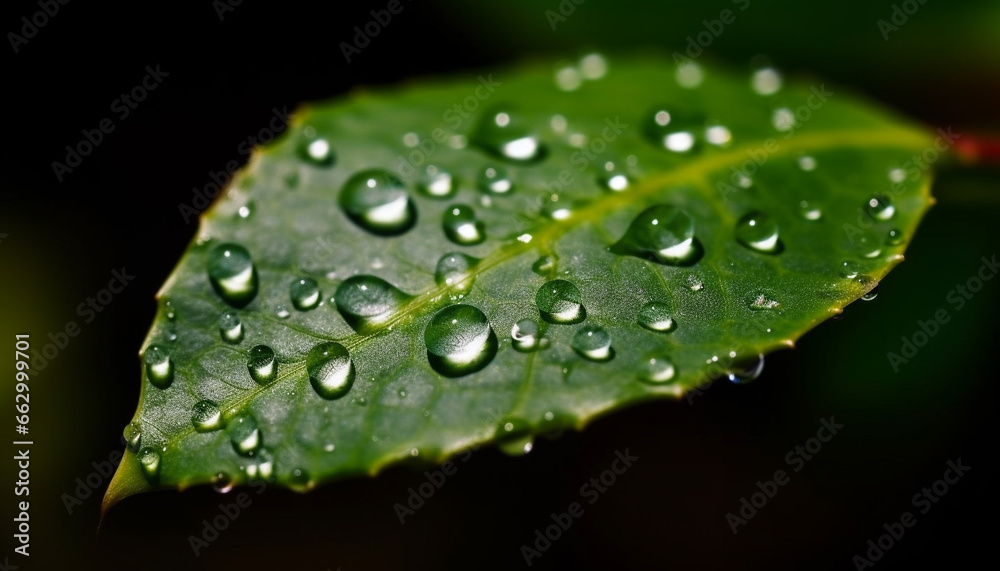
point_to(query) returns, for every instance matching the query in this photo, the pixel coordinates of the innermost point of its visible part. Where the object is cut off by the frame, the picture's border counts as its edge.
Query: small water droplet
(614, 181)
(661, 233)
(848, 269)
(437, 183)
(262, 365)
(168, 309)
(880, 207)
(367, 302)
(560, 301)
(593, 343)
(245, 436)
(718, 135)
(232, 274)
(593, 66)
(206, 416)
(894, 237)
(693, 282)
(455, 271)
(674, 128)
(544, 265)
(762, 301)
(897, 175)
(459, 340)
(159, 367)
(299, 480)
(149, 460)
(133, 436)
(655, 316)
(378, 202)
(759, 232)
(461, 225)
(783, 119)
(331, 371)
(495, 180)
(568, 78)
(689, 75)
(282, 312)
(316, 151)
(526, 336)
(329, 447)
(807, 163)
(305, 294)
(766, 81)
(506, 134)
(246, 211)
(810, 211)
(262, 468)
(870, 294)
(656, 370)
(746, 371)
(222, 483)
(231, 327)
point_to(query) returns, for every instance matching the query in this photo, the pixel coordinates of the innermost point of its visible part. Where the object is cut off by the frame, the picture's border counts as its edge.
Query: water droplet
(245, 436)
(766, 81)
(459, 340)
(305, 294)
(593, 66)
(655, 316)
(366, 302)
(848, 269)
(868, 247)
(746, 371)
(168, 308)
(568, 78)
(159, 367)
(437, 183)
(560, 301)
(693, 282)
(149, 460)
(718, 135)
(316, 151)
(783, 119)
(689, 75)
(206, 416)
(495, 180)
(674, 129)
(657, 370)
(299, 480)
(870, 294)
(593, 343)
(133, 436)
(246, 211)
(661, 233)
(454, 270)
(262, 365)
(897, 175)
(329, 447)
(762, 301)
(282, 312)
(544, 265)
(525, 336)
(557, 209)
(614, 181)
(807, 163)
(378, 202)
(232, 273)
(759, 232)
(262, 468)
(331, 371)
(880, 207)
(810, 211)
(222, 483)
(895, 237)
(507, 135)
(461, 225)
(231, 327)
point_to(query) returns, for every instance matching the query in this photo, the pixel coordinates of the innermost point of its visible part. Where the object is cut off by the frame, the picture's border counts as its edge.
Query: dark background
(696, 460)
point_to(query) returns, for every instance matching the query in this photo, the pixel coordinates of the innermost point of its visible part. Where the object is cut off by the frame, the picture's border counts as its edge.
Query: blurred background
(231, 64)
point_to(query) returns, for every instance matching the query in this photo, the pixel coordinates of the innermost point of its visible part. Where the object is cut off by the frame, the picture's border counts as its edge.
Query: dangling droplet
(747, 371)
(159, 367)
(437, 183)
(316, 151)
(674, 129)
(459, 340)
(245, 436)
(895, 237)
(262, 468)
(525, 336)
(461, 225)
(149, 460)
(593, 343)
(232, 274)
(231, 327)
(305, 294)
(655, 316)
(331, 371)
(506, 134)
(133, 436)
(880, 207)
(206, 416)
(495, 180)
(661, 233)
(222, 483)
(657, 370)
(560, 301)
(262, 365)
(759, 232)
(455, 271)
(378, 202)
(870, 294)
(367, 302)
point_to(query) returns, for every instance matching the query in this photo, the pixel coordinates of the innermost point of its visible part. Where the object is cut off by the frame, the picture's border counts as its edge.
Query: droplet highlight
(459, 340)
(560, 302)
(378, 202)
(232, 274)
(331, 371)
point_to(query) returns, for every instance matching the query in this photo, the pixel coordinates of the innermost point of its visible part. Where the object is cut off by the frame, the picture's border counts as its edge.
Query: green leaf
(634, 257)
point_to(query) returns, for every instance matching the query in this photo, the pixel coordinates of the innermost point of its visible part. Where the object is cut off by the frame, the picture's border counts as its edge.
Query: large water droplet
(461, 225)
(507, 135)
(159, 367)
(245, 436)
(366, 302)
(149, 460)
(746, 371)
(331, 371)
(560, 301)
(656, 370)
(655, 316)
(454, 270)
(261, 364)
(305, 294)
(495, 180)
(674, 129)
(232, 273)
(378, 202)
(231, 327)
(593, 343)
(526, 336)
(459, 340)
(759, 232)
(880, 207)
(206, 416)
(133, 436)
(661, 233)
